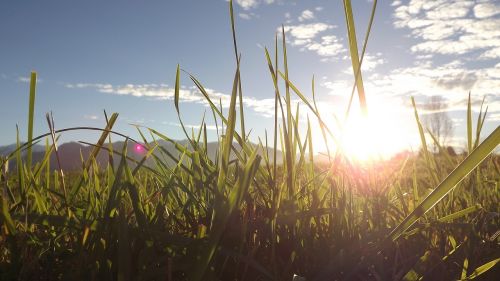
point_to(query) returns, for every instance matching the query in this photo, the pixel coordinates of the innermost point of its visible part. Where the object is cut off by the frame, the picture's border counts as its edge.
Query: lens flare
(139, 148)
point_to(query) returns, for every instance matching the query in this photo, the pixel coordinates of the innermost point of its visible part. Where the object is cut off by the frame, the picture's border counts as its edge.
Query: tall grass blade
(177, 88)
(482, 269)
(94, 153)
(31, 117)
(353, 49)
(427, 155)
(457, 175)
(469, 125)
(240, 92)
(222, 210)
(357, 75)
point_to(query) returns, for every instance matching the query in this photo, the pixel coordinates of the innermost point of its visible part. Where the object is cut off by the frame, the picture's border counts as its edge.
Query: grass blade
(353, 49)
(482, 269)
(469, 125)
(467, 166)
(31, 116)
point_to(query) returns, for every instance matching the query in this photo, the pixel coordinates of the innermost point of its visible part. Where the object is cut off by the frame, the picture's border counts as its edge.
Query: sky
(121, 56)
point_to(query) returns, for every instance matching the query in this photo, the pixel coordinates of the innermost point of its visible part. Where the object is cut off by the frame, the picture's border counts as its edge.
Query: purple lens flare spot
(139, 148)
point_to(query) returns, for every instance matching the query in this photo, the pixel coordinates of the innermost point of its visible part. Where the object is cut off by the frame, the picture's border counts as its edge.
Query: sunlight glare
(360, 138)
(385, 131)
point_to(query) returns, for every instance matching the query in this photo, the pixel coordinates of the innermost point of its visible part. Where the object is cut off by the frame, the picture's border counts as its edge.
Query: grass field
(248, 215)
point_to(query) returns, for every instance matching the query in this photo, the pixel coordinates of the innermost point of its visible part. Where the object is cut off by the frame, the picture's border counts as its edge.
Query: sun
(360, 139)
(381, 133)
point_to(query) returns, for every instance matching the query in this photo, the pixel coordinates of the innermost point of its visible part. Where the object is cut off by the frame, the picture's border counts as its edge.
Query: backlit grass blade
(176, 102)
(311, 149)
(288, 134)
(276, 97)
(221, 209)
(110, 144)
(240, 92)
(19, 164)
(482, 269)
(31, 116)
(441, 149)
(322, 127)
(177, 86)
(50, 122)
(94, 153)
(228, 138)
(469, 125)
(427, 156)
(457, 175)
(82, 128)
(5, 215)
(353, 49)
(461, 213)
(287, 86)
(480, 123)
(310, 106)
(357, 75)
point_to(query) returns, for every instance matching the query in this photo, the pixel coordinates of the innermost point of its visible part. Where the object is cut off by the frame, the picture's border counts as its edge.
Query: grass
(245, 216)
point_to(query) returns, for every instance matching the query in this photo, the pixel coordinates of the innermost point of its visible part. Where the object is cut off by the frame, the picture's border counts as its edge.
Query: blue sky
(121, 56)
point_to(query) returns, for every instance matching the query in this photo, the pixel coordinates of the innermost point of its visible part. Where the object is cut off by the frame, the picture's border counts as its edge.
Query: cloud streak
(306, 36)
(262, 107)
(452, 27)
(252, 4)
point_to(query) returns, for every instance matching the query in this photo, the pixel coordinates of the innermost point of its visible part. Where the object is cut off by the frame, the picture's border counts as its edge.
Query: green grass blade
(430, 165)
(19, 164)
(310, 106)
(482, 269)
(276, 97)
(31, 116)
(353, 49)
(94, 153)
(240, 92)
(6, 218)
(228, 138)
(460, 213)
(222, 210)
(467, 166)
(480, 122)
(469, 125)
(177, 87)
(357, 75)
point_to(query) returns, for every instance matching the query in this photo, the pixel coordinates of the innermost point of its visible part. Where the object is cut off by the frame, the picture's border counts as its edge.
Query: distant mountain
(72, 153)
(7, 149)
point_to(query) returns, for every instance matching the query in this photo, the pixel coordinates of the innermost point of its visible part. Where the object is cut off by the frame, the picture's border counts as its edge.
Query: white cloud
(450, 10)
(451, 80)
(245, 16)
(370, 62)
(263, 107)
(306, 15)
(190, 126)
(306, 31)
(247, 4)
(91, 117)
(491, 54)
(25, 79)
(494, 117)
(252, 4)
(449, 27)
(329, 46)
(486, 10)
(306, 37)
